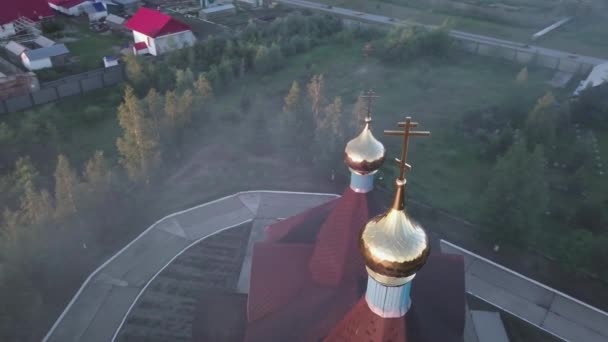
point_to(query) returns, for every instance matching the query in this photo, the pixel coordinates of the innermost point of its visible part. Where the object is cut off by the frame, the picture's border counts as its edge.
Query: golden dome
(394, 247)
(364, 154)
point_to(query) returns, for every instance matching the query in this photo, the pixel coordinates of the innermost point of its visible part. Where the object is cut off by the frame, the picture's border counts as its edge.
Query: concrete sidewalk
(100, 306)
(554, 312)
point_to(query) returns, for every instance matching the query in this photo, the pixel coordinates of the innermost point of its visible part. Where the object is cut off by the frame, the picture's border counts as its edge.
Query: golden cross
(369, 96)
(406, 133)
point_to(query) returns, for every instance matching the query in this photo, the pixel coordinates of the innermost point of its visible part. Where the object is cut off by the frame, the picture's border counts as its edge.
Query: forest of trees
(539, 160)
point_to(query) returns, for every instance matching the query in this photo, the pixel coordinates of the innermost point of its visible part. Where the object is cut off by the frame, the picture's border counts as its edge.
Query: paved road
(101, 305)
(374, 18)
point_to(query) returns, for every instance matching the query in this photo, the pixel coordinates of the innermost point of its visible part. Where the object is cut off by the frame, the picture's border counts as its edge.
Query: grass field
(436, 94)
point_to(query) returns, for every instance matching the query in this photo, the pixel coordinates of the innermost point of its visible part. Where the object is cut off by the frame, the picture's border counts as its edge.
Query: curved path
(100, 306)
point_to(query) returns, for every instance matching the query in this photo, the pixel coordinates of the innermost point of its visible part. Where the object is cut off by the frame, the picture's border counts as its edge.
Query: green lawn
(436, 94)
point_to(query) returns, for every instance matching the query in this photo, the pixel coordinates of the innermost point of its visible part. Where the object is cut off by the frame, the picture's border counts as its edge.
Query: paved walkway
(101, 305)
(539, 305)
(380, 19)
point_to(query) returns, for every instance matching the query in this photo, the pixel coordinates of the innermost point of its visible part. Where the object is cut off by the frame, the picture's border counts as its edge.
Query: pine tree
(203, 88)
(139, 146)
(154, 107)
(36, 206)
(25, 173)
(522, 76)
(516, 196)
(184, 79)
(66, 186)
(541, 124)
(292, 100)
(134, 68)
(97, 173)
(11, 224)
(316, 87)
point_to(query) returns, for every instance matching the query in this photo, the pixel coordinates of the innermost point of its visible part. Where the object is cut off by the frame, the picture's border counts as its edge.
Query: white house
(69, 7)
(156, 33)
(44, 57)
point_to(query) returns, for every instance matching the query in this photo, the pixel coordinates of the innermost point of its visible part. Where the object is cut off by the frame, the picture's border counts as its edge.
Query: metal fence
(68, 86)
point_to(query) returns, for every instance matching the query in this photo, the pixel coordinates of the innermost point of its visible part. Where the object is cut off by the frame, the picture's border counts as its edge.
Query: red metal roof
(281, 229)
(66, 3)
(154, 23)
(276, 276)
(362, 325)
(33, 9)
(140, 46)
(336, 255)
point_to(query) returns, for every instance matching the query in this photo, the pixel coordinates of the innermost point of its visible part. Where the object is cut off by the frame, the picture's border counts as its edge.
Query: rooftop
(154, 23)
(32, 9)
(46, 52)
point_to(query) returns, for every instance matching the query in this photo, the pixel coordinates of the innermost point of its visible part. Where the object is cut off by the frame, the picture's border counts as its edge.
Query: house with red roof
(156, 33)
(11, 10)
(69, 7)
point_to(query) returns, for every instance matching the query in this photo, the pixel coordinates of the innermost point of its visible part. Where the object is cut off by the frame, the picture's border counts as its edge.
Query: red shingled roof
(154, 23)
(277, 276)
(337, 254)
(33, 9)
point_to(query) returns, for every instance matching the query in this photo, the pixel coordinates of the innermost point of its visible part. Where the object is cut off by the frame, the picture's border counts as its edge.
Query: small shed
(110, 61)
(45, 57)
(96, 11)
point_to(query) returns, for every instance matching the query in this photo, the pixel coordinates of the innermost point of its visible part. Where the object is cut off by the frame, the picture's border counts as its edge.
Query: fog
(267, 97)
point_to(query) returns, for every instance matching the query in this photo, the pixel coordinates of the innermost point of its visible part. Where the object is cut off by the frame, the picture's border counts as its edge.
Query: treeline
(226, 57)
(541, 192)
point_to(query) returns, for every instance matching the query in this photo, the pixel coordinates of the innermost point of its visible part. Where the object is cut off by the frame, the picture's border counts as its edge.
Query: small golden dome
(364, 154)
(394, 247)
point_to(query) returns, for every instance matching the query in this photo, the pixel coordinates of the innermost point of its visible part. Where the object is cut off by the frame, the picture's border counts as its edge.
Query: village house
(69, 7)
(41, 57)
(32, 9)
(156, 33)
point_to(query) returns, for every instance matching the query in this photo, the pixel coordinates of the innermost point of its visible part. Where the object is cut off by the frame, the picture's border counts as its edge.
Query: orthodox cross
(406, 133)
(369, 96)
